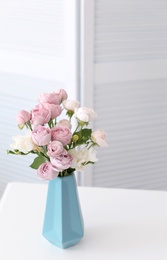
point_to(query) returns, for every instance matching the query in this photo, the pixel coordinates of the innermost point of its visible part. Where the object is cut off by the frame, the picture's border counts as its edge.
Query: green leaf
(90, 162)
(85, 163)
(86, 132)
(10, 152)
(17, 152)
(38, 161)
(84, 135)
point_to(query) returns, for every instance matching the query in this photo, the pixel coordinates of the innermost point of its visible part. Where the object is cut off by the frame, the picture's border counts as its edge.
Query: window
(38, 53)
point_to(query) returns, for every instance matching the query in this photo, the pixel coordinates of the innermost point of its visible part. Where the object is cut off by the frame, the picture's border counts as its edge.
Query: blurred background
(109, 54)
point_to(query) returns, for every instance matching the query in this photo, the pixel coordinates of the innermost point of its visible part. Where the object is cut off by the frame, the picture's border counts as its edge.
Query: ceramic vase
(63, 221)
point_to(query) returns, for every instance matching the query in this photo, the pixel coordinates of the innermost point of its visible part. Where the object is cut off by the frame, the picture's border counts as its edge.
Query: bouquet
(61, 145)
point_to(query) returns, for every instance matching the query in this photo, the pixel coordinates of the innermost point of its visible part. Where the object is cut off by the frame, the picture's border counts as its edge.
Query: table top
(119, 224)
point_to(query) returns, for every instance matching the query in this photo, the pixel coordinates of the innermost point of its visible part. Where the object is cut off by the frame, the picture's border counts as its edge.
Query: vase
(63, 222)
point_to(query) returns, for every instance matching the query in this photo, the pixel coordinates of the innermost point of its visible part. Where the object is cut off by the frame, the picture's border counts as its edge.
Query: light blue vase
(63, 222)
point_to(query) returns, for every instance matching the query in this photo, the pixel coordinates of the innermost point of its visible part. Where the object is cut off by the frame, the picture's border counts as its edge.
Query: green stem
(29, 125)
(76, 129)
(92, 144)
(43, 153)
(51, 123)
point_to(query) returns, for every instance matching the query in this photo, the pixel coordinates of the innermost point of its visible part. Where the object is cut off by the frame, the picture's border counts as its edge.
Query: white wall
(125, 65)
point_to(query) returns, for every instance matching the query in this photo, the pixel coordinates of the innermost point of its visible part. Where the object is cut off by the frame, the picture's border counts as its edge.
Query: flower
(70, 105)
(65, 122)
(55, 110)
(41, 135)
(62, 95)
(59, 147)
(62, 134)
(62, 162)
(53, 98)
(85, 114)
(40, 115)
(46, 171)
(23, 143)
(23, 117)
(99, 137)
(83, 157)
(55, 149)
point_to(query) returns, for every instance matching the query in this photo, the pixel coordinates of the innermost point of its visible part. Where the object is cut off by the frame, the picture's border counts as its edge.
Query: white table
(119, 225)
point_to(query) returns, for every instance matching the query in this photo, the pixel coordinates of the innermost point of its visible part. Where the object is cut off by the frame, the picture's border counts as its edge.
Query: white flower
(70, 104)
(23, 143)
(99, 137)
(81, 157)
(85, 114)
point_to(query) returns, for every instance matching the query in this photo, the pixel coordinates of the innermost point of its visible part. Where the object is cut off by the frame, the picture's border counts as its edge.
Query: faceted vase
(63, 222)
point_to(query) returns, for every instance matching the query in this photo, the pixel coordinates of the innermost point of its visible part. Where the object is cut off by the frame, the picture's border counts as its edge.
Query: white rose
(99, 137)
(81, 157)
(85, 114)
(23, 143)
(70, 104)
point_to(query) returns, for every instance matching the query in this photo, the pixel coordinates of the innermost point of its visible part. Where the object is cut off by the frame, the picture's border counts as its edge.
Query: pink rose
(62, 95)
(54, 109)
(55, 149)
(65, 122)
(41, 135)
(99, 137)
(62, 162)
(53, 98)
(23, 117)
(62, 134)
(40, 115)
(46, 171)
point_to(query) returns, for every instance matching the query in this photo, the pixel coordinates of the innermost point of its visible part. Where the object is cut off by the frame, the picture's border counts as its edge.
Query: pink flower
(53, 98)
(62, 162)
(23, 117)
(41, 135)
(40, 115)
(62, 95)
(54, 109)
(46, 171)
(62, 134)
(65, 122)
(99, 137)
(55, 149)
